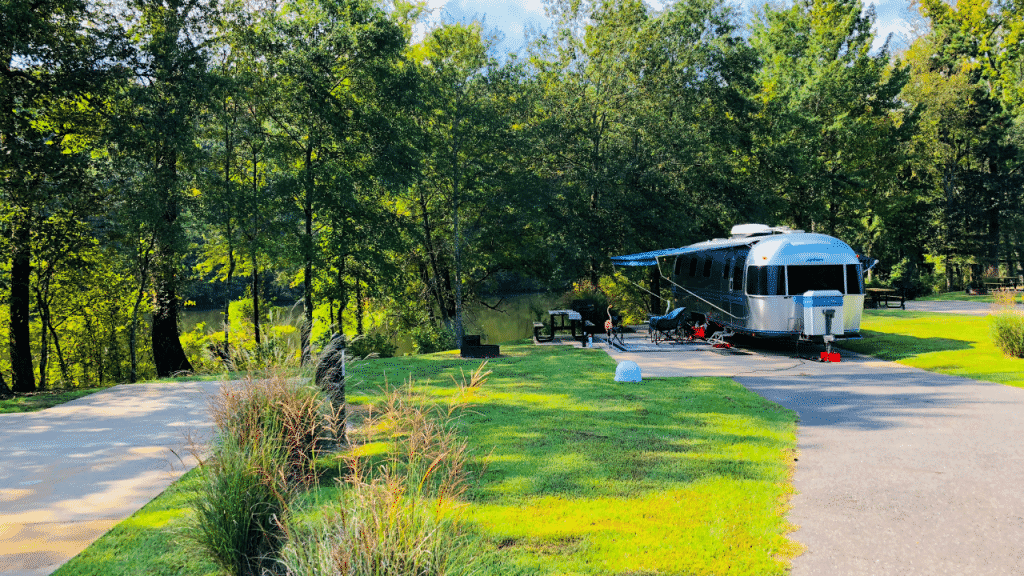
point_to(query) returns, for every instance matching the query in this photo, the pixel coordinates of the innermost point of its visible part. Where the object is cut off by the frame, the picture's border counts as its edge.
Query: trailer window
(707, 268)
(737, 275)
(693, 267)
(766, 280)
(854, 280)
(815, 277)
(680, 263)
(725, 269)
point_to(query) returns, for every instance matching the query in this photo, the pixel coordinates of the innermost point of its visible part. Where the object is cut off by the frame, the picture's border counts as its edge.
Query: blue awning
(651, 258)
(646, 258)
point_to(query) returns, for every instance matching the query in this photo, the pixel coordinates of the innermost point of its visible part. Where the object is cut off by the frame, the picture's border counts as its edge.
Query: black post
(655, 288)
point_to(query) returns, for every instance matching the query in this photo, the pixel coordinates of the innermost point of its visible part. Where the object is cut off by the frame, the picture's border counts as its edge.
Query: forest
(376, 174)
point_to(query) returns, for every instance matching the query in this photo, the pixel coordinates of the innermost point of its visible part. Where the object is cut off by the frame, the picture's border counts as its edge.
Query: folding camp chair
(667, 327)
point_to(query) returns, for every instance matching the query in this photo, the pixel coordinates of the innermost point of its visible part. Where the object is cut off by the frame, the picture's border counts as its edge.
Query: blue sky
(512, 18)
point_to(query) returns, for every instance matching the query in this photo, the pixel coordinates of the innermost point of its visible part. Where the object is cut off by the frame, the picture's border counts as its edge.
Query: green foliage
(428, 338)
(911, 279)
(376, 342)
(626, 298)
(1008, 333)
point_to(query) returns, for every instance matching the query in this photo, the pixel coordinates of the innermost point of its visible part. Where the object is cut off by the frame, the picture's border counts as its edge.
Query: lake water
(513, 320)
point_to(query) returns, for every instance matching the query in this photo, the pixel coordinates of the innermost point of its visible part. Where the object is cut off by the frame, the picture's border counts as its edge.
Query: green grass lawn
(35, 401)
(960, 296)
(943, 343)
(577, 474)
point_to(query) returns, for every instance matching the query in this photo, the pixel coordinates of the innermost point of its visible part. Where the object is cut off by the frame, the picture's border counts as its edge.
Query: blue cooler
(823, 312)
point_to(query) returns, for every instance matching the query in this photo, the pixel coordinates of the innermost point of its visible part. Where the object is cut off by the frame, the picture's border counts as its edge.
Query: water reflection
(501, 320)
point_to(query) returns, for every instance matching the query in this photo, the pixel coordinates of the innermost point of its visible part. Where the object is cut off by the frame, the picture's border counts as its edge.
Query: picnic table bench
(886, 297)
(558, 323)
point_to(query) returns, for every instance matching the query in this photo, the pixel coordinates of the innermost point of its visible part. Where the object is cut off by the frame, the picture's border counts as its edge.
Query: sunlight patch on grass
(943, 343)
(579, 474)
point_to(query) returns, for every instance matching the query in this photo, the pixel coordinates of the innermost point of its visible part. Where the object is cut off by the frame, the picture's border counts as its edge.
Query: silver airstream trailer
(766, 282)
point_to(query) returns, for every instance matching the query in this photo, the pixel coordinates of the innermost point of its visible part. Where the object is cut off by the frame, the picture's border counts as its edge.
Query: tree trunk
(307, 255)
(65, 374)
(44, 344)
(256, 303)
(5, 391)
(949, 274)
(168, 354)
(433, 285)
(359, 306)
(227, 301)
(458, 248)
(20, 339)
(1020, 254)
(133, 337)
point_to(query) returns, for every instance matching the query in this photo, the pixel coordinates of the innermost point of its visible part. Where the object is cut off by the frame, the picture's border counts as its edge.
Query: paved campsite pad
(70, 473)
(900, 471)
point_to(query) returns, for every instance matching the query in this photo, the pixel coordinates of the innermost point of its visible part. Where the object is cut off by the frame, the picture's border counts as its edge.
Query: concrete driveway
(70, 473)
(899, 472)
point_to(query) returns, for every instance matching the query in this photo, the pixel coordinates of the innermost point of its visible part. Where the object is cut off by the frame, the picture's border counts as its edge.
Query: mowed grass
(571, 472)
(148, 543)
(578, 474)
(961, 296)
(943, 343)
(35, 401)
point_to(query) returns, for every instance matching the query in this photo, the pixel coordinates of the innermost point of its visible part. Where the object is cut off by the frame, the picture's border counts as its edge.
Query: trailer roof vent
(747, 230)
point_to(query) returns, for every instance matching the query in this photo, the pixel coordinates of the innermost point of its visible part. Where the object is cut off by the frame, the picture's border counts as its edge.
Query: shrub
(1008, 332)
(429, 338)
(373, 343)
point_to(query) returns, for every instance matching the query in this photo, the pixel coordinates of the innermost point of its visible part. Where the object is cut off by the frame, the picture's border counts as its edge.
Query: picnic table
(886, 297)
(1002, 283)
(557, 323)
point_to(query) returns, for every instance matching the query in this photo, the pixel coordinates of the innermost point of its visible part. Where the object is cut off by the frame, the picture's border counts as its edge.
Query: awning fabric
(651, 258)
(647, 258)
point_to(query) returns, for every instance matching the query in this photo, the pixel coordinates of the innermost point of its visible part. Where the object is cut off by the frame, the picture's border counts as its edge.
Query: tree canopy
(373, 172)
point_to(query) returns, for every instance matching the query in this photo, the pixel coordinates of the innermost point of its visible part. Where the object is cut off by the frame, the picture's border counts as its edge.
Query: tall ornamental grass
(1008, 325)
(398, 510)
(269, 434)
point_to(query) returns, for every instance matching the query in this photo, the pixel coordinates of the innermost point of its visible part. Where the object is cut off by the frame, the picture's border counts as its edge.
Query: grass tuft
(395, 513)
(269, 435)
(1008, 325)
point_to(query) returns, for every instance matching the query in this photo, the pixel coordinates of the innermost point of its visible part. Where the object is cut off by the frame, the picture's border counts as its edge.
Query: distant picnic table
(558, 324)
(1003, 283)
(886, 297)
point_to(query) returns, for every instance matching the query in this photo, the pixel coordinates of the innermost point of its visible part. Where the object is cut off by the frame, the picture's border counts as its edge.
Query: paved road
(900, 471)
(954, 307)
(70, 473)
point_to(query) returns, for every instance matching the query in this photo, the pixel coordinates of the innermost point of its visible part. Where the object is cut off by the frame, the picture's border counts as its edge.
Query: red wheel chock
(830, 357)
